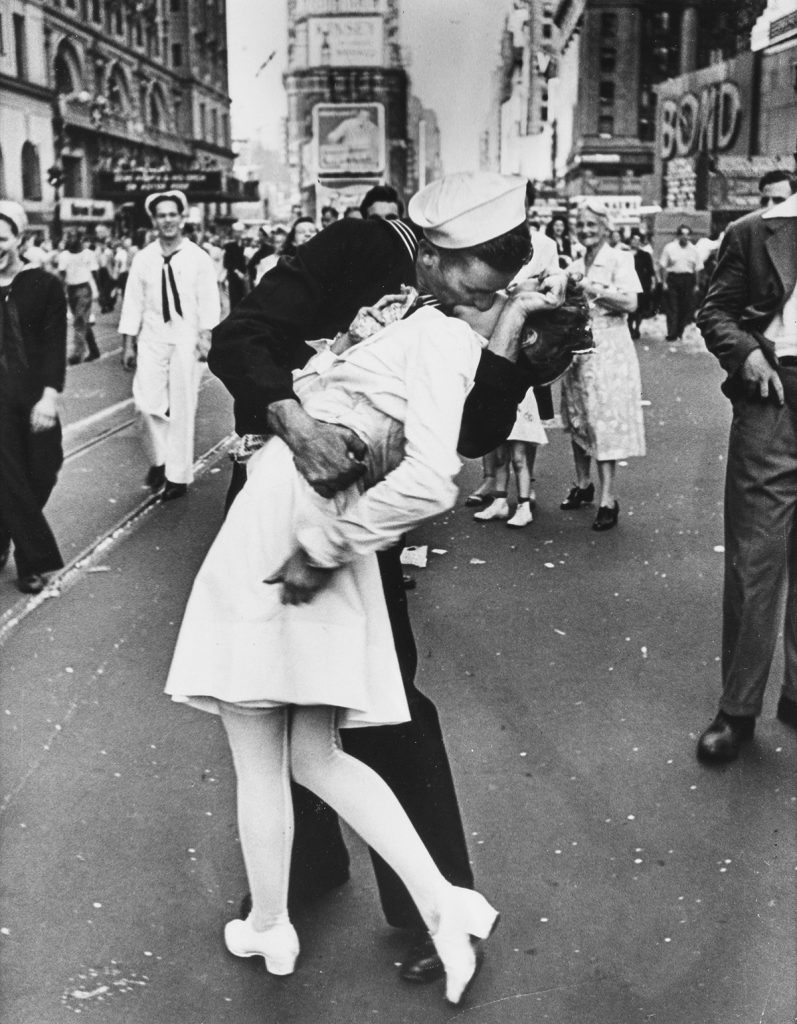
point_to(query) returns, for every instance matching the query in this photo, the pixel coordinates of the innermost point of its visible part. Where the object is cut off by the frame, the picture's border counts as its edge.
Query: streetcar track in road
(73, 429)
(92, 442)
(63, 580)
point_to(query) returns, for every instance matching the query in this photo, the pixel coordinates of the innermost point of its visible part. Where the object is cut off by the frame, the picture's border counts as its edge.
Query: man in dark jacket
(749, 322)
(316, 294)
(645, 271)
(235, 265)
(32, 370)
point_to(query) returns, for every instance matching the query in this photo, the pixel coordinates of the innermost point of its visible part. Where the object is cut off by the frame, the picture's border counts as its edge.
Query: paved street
(573, 672)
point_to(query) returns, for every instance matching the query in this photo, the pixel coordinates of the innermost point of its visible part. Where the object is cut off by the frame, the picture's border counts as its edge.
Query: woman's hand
(44, 414)
(300, 580)
(371, 319)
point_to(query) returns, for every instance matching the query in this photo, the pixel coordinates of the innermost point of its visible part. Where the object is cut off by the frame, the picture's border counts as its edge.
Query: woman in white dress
(287, 666)
(602, 390)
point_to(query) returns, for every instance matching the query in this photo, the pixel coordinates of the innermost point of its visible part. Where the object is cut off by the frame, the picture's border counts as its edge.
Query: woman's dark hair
(506, 253)
(562, 219)
(289, 245)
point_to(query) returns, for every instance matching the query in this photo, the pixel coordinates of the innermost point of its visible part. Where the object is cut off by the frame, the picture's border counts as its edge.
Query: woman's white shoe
(497, 509)
(523, 515)
(279, 945)
(462, 916)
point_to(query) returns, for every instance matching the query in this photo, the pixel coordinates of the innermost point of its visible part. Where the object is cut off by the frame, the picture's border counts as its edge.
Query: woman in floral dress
(602, 391)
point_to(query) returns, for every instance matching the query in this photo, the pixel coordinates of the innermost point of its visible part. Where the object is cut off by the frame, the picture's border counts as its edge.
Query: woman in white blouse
(602, 390)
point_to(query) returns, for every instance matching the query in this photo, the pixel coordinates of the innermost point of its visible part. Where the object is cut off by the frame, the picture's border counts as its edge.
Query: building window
(2, 34)
(608, 25)
(606, 94)
(174, 6)
(118, 95)
(202, 121)
(138, 32)
(31, 172)
(154, 112)
(225, 130)
(118, 22)
(66, 81)
(96, 10)
(608, 56)
(21, 46)
(177, 55)
(606, 108)
(214, 127)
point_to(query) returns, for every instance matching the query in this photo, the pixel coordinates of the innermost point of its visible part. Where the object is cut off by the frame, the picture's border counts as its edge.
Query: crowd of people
(434, 337)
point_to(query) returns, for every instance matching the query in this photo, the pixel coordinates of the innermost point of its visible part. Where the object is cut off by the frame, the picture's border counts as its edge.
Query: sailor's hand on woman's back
(327, 455)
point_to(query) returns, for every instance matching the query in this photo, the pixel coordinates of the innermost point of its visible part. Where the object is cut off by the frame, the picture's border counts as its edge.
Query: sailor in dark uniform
(316, 294)
(32, 370)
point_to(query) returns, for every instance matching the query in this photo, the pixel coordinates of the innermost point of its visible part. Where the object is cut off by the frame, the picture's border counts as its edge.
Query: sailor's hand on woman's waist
(328, 456)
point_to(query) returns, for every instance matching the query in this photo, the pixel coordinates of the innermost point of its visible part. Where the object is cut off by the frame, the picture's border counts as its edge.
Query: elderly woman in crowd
(601, 391)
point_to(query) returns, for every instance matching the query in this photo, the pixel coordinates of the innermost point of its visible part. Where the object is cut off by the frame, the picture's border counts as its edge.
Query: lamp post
(55, 174)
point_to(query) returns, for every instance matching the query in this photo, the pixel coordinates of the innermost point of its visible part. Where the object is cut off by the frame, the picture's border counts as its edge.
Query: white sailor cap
(465, 209)
(14, 215)
(173, 193)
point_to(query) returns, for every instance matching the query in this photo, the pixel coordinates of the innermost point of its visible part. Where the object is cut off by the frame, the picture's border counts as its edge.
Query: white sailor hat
(465, 209)
(173, 193)
(14, 214)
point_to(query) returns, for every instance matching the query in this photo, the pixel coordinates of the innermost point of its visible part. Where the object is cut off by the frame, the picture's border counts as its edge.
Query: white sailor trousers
(165, 392)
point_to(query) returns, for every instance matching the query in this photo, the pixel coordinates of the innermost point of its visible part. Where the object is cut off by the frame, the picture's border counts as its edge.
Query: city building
(721, 127)
(424, 160)
(613, 56)
(347, 91)
(519, 134)
(26, 109)
(137, 94)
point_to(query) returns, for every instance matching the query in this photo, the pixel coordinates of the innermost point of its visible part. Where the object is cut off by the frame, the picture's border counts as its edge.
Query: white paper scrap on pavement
(415, 555)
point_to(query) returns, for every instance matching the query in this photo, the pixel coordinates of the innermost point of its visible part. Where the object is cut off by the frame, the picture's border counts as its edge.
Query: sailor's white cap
(461, 210)
(173, 193)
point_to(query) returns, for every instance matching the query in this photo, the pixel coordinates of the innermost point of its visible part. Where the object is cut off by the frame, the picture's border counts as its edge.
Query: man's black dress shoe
(723, 738)
(33, 583)
(606, 517)
(172, 491)
(787, 711)
(578, 496)
(421, 964)
(156, 477)
(5, 551)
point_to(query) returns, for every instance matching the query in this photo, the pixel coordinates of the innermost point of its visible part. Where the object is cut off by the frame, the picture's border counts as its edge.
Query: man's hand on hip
(327, 455)
(761, 378)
